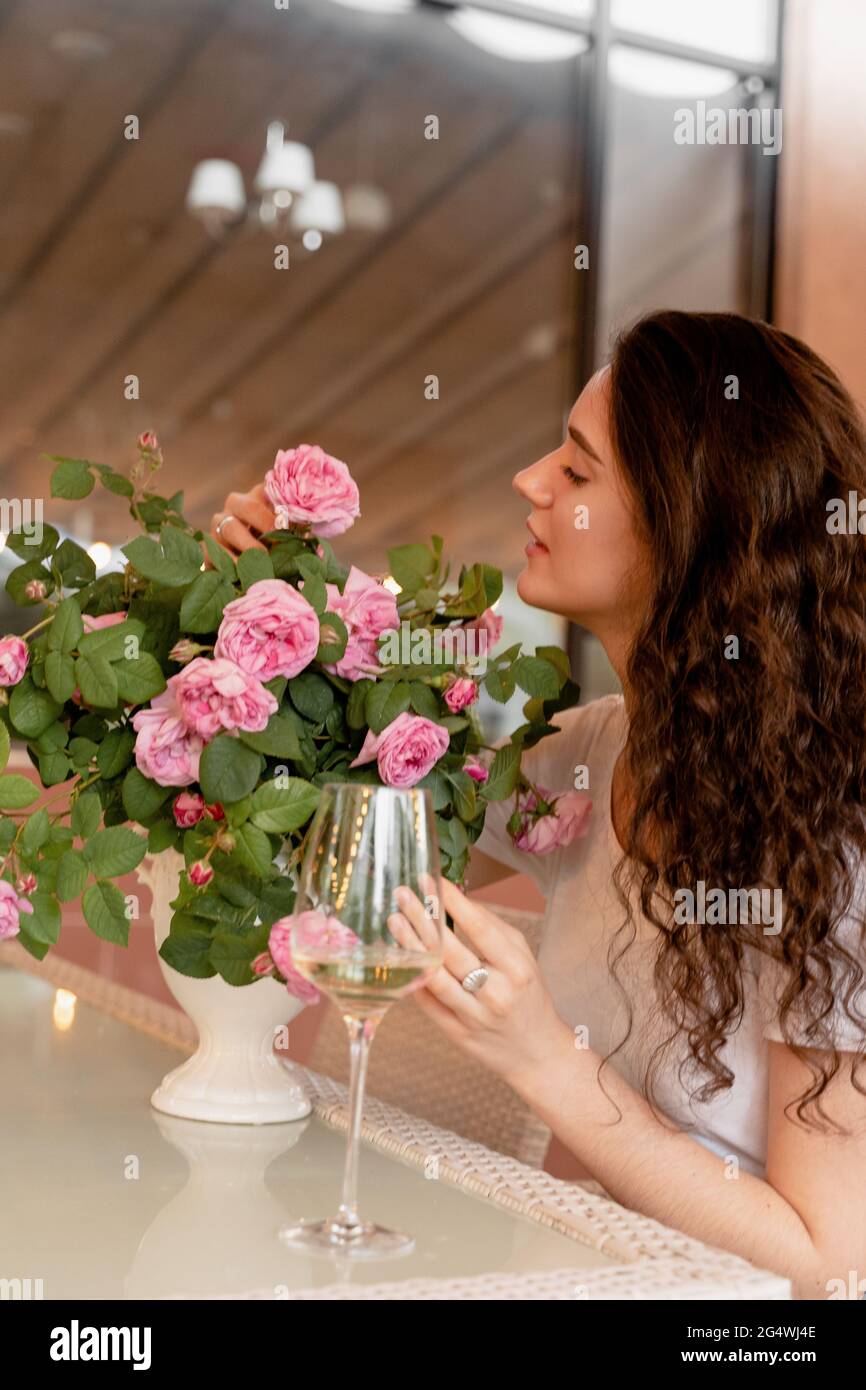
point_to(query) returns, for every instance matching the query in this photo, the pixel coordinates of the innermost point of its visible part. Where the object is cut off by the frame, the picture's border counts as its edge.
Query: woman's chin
(532, 590)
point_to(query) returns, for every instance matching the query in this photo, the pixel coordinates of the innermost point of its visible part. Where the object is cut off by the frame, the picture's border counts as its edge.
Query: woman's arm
(806, 1221)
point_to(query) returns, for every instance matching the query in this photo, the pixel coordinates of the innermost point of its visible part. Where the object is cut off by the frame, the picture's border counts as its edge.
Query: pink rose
(460, 693)
(263, 965)
(476, 769)
(166, 750)
(188, 809)
(215, 810)
(490, 624)
(200, 873)
(216, 695)
(280, 947)
(269, 631)
(308, 487)
(106, 620)
(567, 820)
(13, 660)
(406, 750)
(368, 609)
(11, 907)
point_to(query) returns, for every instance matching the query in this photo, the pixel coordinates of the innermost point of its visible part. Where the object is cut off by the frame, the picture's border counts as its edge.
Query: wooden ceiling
(103, 273)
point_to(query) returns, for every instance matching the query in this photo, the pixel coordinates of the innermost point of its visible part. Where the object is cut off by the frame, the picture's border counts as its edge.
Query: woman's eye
(572, 476)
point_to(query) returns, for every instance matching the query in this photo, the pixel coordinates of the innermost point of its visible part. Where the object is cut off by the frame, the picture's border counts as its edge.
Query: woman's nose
(533, 484)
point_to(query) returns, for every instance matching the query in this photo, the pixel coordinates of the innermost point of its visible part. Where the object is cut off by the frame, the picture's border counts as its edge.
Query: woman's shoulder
(587, 733)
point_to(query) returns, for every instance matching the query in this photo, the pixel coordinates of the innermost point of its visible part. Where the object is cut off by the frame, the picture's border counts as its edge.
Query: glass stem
(361, 1031)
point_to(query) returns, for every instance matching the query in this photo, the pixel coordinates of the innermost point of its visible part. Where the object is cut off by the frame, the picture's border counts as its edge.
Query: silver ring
(476, 979)
(221, 524)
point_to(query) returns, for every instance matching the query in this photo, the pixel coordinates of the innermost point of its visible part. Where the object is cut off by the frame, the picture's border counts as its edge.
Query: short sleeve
(838, 1029)
(550, 763)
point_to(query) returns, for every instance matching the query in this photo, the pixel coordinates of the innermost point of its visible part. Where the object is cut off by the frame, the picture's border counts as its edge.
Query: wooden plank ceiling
(103, 272)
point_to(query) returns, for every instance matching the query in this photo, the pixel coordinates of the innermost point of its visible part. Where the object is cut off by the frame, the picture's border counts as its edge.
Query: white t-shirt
(582, 914)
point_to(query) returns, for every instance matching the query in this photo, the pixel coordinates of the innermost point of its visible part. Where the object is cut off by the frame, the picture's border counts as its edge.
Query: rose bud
(215, 811)
(225, 841)
(148, 441)
(185, 650)
(13, 660)
(188, 809)
(263, 965)
(200, 873)
(27, 883)
(35, 589)
(461, 693)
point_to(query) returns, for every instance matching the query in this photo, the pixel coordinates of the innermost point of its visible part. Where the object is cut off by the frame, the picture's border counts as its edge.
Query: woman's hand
(244, 517)
(510, 1025)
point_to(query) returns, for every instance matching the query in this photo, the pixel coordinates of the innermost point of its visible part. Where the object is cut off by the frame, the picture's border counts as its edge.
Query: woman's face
(584, 559)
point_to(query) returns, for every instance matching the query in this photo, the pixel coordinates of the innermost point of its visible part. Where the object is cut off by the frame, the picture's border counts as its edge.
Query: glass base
(366, 1241)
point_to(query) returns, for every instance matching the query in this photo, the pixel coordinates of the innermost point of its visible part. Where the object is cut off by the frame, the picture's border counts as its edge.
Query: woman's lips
(534, 546)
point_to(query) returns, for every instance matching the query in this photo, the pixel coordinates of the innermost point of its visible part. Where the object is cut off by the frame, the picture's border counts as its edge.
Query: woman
(709, 456)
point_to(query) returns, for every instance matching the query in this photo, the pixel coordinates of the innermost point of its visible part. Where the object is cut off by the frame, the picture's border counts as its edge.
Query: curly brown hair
(732, 438)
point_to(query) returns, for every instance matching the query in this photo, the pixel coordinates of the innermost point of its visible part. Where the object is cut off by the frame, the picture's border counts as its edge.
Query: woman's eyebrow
(583, 443)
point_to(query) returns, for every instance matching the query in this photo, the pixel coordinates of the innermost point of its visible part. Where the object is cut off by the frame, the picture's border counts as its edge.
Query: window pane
(740, 28)
(675, 219)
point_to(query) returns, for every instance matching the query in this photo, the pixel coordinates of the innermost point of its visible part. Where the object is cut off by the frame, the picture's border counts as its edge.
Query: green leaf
(35, 832)
(74, 565)
(114, 642)
(67, 627)
(8, 831)
(97, 681)
(72, 874)
(228, 769)
(60, 676)
(500, 685)
(558, 658)
(314, 590)
(356, 716)
(232, 955)
(44, 923)
(114, 852)
(115, 753)
(139, 678)
(5, 746)
(16, 792)
(31, 709)
(86, 815)
(105, 912)
(35, 544)
(254, 565)
(333, 636)
(276, 900)
(385, 701)
(278, 740)
(423, 699)
(504, 772)
(174, 560)
(53, 768)
(114, 482)
(21, 576)
(54, 737)
(142, 797)
(411, 565)
(284, 807)
(37, 949)
(162, 835)
(253, 849)
(188, 952)
(312, 695)
(465, 795)
(537, 676)
(220, 558)
(71, 478)
(204, 601)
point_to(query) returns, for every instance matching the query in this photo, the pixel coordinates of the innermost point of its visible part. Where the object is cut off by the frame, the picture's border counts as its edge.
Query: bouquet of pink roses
(205, 701)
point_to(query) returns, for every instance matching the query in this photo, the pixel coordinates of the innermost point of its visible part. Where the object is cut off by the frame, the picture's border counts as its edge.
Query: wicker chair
(414, 1066)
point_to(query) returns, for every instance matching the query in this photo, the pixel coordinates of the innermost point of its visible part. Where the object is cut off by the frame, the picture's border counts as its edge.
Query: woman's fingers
(496, 942)
(457, 958)
(245, 516)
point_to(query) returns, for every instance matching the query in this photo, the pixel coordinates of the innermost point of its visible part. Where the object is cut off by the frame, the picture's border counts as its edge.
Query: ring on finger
(219, 530)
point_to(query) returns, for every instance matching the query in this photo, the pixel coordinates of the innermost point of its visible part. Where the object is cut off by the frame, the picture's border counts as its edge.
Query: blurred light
(389, 582)
(367, 208)
(282, 198)
(2, 540)
(286, 165)
(319, 209)
(13, 124)
(311, 240)
(378, 6)
(81, 43)
(737, 28)
(519, 40)
(100, 554)
(655, 75)
(216, 191)
(63, 1013)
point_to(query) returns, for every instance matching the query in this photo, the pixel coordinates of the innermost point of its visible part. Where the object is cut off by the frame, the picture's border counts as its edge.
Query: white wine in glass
(363, 844)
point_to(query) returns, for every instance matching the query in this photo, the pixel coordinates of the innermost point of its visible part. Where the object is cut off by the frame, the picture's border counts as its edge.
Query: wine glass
(364, 843)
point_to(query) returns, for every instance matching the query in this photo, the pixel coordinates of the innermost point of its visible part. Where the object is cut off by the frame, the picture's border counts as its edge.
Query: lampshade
(285, 164)
(319, 209)
(519, 40)
(216, 185)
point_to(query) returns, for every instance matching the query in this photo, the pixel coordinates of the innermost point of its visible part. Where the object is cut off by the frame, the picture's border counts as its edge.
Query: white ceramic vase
(234, 1076)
